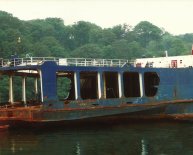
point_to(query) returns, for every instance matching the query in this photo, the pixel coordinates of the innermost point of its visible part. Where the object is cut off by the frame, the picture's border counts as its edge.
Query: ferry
(98, 89)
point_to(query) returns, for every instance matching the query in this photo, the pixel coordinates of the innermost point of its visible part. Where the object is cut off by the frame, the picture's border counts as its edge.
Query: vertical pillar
(120, 84)
(100, 85)
(36, 86)
(48, 83)
(77, 85)
(141, 84)
(41, 87)
(24, 90)
(104, 86)
(0, 89)
(11, 89)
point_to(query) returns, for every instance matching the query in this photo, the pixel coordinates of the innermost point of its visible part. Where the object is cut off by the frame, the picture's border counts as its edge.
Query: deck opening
(65, 86)
(4, 89)
(151, 82)
(33, 93)
(111, 89)
(21, 87)
(17, 88)
(131, 84)
(88, 85)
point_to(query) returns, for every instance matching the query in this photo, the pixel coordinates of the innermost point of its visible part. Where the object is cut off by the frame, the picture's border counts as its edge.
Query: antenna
(192, 49)
(166, 52)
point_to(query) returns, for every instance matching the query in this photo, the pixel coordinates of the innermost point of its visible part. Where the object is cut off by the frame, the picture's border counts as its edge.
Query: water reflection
(132, 139)
(78, 148)
(144, 147)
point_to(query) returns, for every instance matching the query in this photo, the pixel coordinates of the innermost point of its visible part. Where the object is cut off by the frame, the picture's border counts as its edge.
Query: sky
(175, 16)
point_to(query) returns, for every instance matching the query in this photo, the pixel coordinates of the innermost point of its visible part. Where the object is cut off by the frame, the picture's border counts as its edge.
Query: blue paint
(49, 85)
(175, 84)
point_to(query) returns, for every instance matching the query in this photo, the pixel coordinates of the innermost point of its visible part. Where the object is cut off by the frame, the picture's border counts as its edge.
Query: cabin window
(65, 86)
(131, 84)
(151, 82)
(88, 85)
(111, 85)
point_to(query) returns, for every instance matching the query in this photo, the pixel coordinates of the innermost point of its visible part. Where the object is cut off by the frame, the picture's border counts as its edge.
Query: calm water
(130, 139)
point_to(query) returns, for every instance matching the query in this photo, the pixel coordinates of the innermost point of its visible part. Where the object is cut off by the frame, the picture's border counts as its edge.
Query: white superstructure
(166, 62)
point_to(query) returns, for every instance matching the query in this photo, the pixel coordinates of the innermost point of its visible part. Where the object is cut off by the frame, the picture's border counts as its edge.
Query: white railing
(64, 61)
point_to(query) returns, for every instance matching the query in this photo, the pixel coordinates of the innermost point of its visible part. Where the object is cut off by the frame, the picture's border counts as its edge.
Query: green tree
(88, 51)
(121, 30)
(145, 32)
(173, 45)
(108, 37)
(8, 21)
(53, 46)
(81, 33)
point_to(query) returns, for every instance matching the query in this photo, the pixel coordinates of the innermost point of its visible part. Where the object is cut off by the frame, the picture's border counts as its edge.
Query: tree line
(51, 37)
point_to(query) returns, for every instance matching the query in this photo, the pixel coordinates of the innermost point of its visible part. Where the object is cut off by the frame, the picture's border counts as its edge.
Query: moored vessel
(97, 89)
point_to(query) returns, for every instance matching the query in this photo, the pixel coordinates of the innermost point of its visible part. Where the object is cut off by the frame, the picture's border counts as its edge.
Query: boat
(98, 89)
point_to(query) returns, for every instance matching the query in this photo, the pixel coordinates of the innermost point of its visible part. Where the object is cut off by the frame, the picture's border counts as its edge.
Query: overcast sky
(175, 16)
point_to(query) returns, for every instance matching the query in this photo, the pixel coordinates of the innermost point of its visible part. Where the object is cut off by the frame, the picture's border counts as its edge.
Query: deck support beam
(11, 89)
(41, 86)
(100, 85)
(77, 85)
(104, 86)
(48, 81)
(24, 90)
(36, 86)
(120, 84)
(141, 84)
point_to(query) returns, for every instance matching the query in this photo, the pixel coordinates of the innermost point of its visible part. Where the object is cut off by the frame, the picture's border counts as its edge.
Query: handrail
(63, 61)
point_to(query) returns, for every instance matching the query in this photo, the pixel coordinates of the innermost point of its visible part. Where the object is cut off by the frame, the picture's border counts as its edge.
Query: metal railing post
(69, 61)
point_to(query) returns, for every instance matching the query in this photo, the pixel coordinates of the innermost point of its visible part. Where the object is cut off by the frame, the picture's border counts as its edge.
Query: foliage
(50, 37)
(63, 87)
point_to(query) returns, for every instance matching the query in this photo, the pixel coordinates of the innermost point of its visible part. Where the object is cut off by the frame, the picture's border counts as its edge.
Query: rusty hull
(178, 110)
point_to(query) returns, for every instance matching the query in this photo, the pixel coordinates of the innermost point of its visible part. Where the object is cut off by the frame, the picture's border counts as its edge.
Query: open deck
(48, 72)
(64, 62)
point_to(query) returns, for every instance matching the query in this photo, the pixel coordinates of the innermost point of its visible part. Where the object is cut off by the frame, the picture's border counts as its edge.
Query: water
(130, 139)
